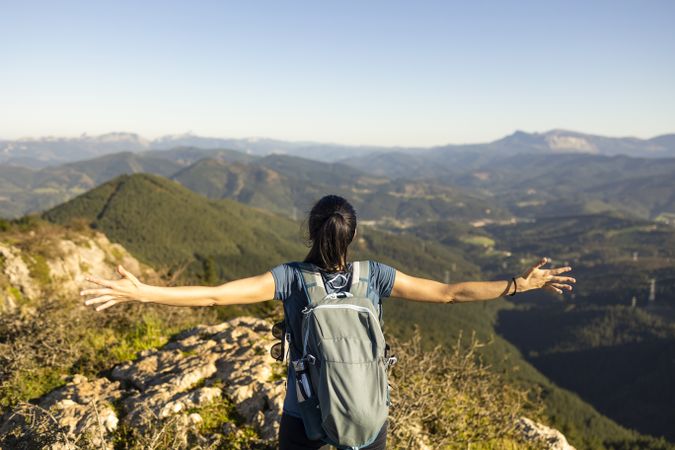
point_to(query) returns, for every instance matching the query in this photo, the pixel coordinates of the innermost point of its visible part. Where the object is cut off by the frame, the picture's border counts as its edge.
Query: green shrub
(38, 268)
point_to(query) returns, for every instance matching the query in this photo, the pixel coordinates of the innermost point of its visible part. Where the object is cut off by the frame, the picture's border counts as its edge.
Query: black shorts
(292, 436)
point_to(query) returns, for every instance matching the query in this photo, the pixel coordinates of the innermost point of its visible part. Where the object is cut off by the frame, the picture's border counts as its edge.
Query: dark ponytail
(332, 225)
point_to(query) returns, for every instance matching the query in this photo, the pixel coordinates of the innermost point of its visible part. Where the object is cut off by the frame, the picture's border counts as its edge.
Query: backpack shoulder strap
(313, 283)
(360, 278)
(361, 284)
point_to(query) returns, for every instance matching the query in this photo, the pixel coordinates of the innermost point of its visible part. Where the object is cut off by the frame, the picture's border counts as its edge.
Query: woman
(332, 227)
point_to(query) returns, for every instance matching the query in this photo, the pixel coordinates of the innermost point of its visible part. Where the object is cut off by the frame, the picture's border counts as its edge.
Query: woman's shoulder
(286, 279)
(289, 264)
(375, 264)
(285, 270)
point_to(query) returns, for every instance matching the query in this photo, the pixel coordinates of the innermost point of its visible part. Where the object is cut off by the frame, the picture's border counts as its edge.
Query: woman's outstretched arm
(424, 290)
(129, 289)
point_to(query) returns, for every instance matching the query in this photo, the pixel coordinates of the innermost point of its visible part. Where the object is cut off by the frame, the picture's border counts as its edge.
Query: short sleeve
(283, 280)
(382, 277)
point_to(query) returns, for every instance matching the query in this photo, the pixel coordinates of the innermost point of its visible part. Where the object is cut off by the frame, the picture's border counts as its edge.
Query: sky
(368, 72)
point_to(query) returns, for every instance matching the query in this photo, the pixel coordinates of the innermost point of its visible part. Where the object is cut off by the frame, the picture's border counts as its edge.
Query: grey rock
(198, 367)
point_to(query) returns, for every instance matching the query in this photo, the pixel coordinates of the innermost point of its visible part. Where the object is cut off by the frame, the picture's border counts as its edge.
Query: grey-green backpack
(341, 377)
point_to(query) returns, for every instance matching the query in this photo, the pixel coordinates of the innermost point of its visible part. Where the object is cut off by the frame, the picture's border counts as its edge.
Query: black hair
(332, 226)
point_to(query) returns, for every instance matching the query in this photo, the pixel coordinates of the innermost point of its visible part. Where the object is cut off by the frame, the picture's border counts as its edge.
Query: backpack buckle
(336, 295)
(310, 359)
(392, 360)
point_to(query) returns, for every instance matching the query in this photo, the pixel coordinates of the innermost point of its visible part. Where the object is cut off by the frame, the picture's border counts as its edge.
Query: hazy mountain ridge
(536, 185)
(24, 190)
(438, 161)
(462, 185)
(531, 185)
(566, 141)
(42, 152)
(284, 184)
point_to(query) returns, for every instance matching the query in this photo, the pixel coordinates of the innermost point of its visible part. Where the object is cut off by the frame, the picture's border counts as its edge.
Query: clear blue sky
(367, 72)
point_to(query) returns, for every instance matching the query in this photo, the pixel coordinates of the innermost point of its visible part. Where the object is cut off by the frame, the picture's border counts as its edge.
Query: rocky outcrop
(227, 363)
(95, 255)
(18, 277)
(69, 262)
(227, 360)
(81, 412)
(553, 438)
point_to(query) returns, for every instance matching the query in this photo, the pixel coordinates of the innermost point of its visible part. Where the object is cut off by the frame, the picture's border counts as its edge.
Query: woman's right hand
(113, 292)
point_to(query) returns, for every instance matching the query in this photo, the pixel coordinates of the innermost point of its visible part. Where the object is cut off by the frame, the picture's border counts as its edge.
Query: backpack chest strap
(316, 290)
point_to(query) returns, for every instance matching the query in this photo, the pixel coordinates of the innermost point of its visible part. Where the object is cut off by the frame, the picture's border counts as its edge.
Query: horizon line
(307, 141)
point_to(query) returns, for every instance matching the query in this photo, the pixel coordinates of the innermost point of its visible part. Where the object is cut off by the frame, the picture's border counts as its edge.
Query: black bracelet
(515, 287)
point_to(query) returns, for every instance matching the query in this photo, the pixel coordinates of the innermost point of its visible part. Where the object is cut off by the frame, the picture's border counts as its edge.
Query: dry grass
(453, 400)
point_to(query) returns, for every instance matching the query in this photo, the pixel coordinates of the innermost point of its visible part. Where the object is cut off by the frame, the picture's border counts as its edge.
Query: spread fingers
(101, 299)
(106, 305)
(551, 288)
(100, 291)
(564, 287)
(563, 280)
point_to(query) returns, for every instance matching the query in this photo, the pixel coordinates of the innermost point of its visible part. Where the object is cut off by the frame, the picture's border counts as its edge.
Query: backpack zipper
(354, 307)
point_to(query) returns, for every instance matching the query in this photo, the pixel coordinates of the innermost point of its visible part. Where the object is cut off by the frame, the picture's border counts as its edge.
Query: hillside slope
(140, 376)
(169, 226)
(25, 190)
(156, 219)
(289, 186)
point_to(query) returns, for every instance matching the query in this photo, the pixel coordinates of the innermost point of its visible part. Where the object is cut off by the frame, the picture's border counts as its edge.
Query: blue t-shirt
(289, 289)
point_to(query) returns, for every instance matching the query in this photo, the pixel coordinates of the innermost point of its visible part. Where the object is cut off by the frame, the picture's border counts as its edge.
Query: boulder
(535, 431)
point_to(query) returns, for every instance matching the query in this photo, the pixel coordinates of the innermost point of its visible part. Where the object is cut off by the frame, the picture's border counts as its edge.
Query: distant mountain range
(41, 152)
(461, 186)
(442, 160)
(281, 183)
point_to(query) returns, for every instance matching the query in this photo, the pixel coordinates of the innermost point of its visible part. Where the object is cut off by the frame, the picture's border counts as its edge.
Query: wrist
(521, 284)
(146, 293)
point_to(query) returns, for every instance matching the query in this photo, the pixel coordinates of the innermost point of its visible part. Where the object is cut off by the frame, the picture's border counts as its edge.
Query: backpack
(341, 377)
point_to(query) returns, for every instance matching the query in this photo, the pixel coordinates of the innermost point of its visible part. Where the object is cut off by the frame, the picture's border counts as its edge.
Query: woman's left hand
(537, 278)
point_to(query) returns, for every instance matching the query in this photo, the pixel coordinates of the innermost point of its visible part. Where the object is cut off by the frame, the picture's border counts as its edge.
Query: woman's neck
(343, 268)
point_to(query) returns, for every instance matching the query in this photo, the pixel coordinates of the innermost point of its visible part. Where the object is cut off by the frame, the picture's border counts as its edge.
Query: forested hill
(173, 228)
(170, 226)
